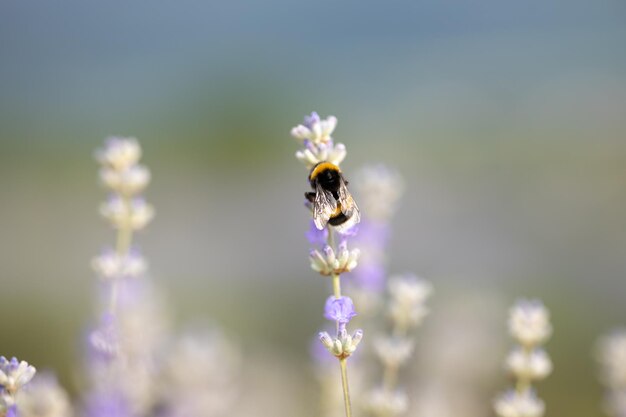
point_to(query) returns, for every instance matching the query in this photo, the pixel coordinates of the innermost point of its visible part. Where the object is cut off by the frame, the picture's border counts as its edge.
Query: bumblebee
(332, 202)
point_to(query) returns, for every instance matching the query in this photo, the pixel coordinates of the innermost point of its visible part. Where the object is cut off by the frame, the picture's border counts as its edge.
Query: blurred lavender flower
(14, 374)
(529, 324)
(122, 348)
(108, 404)
(199, 376)
(134, 369)
(110, 265)
(519, 404)
(406, 310)
(611, 355)
(44, 398)
(119, 153)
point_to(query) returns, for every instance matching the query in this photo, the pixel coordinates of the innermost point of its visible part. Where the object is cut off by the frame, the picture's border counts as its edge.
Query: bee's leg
(310, 196)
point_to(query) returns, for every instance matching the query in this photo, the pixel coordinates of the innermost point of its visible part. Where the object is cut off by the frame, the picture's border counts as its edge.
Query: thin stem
(331, 237)
(124, 240)
(390, 377)
(343, 363)
(336, 286)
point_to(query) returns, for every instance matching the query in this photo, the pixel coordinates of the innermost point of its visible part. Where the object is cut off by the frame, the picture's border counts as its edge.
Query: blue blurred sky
(101, 65)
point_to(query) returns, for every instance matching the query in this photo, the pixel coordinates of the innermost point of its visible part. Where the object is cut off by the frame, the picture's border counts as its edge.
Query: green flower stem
(124, 240)
(343, 362)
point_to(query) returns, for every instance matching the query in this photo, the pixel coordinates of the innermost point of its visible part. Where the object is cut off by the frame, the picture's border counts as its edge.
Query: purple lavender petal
(309, 121)
(339, 309)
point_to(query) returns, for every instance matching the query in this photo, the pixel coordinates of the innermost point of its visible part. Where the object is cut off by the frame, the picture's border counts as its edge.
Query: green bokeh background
(507, 121)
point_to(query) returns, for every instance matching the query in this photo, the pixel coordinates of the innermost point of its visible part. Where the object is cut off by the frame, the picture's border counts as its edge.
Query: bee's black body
(332, 203)
(329, 179)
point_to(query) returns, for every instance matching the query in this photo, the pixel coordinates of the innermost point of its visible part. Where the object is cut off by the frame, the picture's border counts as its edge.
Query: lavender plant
(14, 374)
(333, 259)
(121, 366)
(529, 324)
(135, 367)
(611, 354)
(379, 189)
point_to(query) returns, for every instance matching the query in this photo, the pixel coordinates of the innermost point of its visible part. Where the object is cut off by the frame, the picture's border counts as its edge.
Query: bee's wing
(323, 206)
(348, 205)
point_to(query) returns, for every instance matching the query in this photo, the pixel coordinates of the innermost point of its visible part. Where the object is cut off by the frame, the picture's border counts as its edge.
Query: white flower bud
(529, 323)
(393, 351)
(534, 365)
(119, 153)
(382, 402)
(513, 404)
(128, 182)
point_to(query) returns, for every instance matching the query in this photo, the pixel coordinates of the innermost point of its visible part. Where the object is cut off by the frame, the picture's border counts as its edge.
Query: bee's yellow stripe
(337, 211)
(321, 167)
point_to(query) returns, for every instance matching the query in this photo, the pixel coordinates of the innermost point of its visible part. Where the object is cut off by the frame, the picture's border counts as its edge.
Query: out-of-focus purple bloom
(44, 397)
(315, 236)
(374, 233)
(108, 404)
(339, 309)
(104, 340)
(370, 276)
(372, 240)
(12, 411)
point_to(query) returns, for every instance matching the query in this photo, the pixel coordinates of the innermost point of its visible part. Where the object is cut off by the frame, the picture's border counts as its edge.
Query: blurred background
(507, 121)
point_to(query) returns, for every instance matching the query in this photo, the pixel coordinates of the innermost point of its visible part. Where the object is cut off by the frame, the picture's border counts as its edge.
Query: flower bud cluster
(334, 263)
(343, 345)
(529, 325)
(611, 354)
(111, 265)
(383, 402)
(407, 304)
(379, 189)
(516, 404)
(340, 310)
(125, 178)
(125, 209)
(315, 136)
(14, 375)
